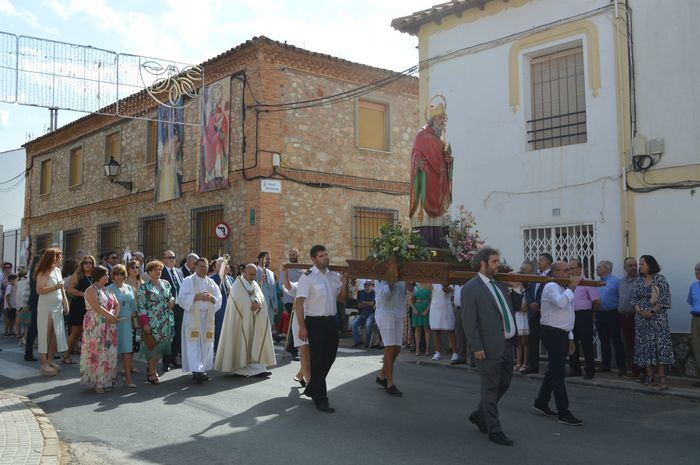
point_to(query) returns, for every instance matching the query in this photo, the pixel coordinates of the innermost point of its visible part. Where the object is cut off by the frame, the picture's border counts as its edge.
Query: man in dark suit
(173, 275)
(189, 265)
(533, 297)
(487, 317)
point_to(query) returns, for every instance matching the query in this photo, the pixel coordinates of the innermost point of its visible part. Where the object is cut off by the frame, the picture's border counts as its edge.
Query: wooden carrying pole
(454, 276)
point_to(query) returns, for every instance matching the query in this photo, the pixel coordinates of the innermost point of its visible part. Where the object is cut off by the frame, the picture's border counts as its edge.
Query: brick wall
(317, 145)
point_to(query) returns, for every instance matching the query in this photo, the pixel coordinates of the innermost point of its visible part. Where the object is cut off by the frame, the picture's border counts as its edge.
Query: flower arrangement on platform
(398, 242)
(463, 238)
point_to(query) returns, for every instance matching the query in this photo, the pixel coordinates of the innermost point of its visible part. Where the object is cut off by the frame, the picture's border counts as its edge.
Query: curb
(51, 453)
(679, 393)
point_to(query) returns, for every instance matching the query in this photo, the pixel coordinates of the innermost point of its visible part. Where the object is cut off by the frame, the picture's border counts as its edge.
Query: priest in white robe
(245, 345)
(200, 297)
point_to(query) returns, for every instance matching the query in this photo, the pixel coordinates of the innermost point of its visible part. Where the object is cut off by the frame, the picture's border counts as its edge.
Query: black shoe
(264, 374)
(479, 422)
(588, 376)
(573, 373)
(500, 438)
(530, 371)
(393, 391)
(569, 419)
(544, 410)
(198, 377)
(166, 367)
(458, 362)
(307, 391)
(324, 407)
(300, 381)
(30, 358)
(380, 381)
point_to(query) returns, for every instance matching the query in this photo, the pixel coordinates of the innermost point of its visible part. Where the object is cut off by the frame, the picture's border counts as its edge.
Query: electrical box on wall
(639, 145)
(656, 147)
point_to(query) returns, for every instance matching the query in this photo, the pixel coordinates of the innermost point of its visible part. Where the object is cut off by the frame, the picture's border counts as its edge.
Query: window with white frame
(558, 100)
(563, 242)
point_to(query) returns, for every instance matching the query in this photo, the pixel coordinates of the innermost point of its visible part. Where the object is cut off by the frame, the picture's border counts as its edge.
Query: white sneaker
(455, 357)
(437, 356)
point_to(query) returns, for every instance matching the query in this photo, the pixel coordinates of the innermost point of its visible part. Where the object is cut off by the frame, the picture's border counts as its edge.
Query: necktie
(501, 304)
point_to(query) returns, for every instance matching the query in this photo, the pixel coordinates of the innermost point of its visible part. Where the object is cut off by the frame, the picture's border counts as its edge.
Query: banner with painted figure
(171, 133)
(214, 145)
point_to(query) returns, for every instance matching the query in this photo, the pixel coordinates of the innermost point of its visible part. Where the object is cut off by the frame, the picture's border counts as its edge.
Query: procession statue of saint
(431, 177)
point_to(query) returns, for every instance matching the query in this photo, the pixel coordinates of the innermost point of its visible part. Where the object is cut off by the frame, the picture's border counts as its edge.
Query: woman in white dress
(442, 318)
(53, 304)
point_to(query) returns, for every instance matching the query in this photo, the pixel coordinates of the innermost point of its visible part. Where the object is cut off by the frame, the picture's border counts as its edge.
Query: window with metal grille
(372, 125)
(113, 146)
(558, 100)
(41, 243)
(151, 142)
(365, 227)
(108, 238)
(563, 243)
(75, 169)
(152, 238)
(202, 223)
(72, 241)
(45, 177)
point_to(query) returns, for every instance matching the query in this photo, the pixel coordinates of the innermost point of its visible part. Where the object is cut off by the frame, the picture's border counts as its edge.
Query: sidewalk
(679, 387)
(26, 434)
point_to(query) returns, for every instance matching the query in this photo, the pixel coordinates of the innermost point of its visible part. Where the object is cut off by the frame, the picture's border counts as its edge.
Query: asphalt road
(233, 420)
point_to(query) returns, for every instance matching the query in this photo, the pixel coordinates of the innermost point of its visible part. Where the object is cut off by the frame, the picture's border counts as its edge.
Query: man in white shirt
(556, 325)
(318, 291)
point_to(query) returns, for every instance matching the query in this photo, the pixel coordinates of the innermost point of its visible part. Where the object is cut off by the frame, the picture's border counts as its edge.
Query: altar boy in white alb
(200, 297)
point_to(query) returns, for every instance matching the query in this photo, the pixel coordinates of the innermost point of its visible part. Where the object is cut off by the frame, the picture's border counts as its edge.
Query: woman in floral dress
(154, 305)
(651, 298)
(98, 359)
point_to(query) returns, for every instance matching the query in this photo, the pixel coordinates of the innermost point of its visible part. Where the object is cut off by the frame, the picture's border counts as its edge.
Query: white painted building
(551, 124)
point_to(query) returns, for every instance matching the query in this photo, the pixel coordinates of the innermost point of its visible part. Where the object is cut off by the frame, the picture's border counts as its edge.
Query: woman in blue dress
(127, 303)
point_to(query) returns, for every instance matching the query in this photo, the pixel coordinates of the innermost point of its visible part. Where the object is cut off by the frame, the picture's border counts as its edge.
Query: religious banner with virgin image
(214, 143)
(169, 152)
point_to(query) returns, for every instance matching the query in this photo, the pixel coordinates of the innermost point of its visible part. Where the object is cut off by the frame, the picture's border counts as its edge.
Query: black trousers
(495, 375)
(176, 344)
(323, 347)
(608, 326)
(31, 334)
(533, 344)
(583, 339)
(556, 341)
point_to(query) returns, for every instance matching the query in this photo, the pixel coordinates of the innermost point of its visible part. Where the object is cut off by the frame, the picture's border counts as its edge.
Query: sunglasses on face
(171, 258)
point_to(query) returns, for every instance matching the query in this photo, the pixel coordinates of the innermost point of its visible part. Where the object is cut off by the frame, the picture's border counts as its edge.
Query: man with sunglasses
(556, 326)
(173, 275)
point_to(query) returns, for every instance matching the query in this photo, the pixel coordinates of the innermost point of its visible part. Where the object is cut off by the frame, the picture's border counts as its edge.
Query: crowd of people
(201, 315)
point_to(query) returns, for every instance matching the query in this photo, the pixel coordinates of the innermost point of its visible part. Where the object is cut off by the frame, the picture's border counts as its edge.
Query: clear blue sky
(193, 31)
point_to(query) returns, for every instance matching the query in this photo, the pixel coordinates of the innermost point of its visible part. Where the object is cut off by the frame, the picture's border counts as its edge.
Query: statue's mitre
(436, 109)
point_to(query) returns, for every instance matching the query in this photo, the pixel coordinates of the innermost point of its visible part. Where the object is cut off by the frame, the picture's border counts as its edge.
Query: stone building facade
(333, 191)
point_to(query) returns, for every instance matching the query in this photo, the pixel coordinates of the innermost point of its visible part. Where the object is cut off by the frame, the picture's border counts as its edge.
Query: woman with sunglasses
(82, 279)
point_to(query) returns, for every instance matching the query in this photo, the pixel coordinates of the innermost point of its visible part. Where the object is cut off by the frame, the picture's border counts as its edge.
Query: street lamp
(112, 168)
